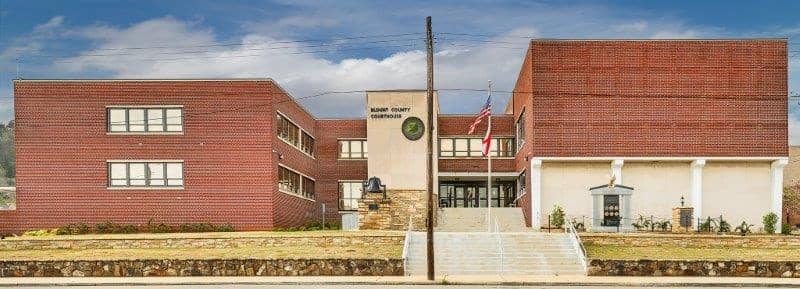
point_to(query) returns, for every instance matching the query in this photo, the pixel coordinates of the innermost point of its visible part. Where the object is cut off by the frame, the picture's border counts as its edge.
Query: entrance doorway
(473, 194)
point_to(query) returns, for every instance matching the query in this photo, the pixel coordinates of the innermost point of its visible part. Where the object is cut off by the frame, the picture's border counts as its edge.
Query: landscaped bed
(614, 252)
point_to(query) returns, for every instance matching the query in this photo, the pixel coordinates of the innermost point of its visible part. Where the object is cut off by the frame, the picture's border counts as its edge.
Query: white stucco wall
(567, 184)
(657, 187)
(740, 191)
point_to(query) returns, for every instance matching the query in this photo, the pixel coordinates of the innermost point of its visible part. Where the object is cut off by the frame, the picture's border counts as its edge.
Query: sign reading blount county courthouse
(398, 161)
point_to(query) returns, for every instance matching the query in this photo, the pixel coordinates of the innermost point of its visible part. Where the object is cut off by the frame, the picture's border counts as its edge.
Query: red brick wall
(62, 149)
(458, 126)
(292, 210)
(331, 169)
(659, 98)
(521, 102)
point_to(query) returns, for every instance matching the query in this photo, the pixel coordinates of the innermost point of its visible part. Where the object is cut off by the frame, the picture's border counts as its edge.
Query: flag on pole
(485, 112)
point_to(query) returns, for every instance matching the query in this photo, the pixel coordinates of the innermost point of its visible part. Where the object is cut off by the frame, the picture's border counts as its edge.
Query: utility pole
(429, 42)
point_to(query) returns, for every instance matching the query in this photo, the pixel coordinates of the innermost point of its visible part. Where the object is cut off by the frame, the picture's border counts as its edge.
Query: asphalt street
(308, 286)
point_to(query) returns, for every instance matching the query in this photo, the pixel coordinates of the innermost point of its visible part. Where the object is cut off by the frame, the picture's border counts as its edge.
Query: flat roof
(137, 79)
(667, 39)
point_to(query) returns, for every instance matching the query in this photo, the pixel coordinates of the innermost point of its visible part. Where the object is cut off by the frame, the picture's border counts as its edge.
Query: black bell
(373, 185)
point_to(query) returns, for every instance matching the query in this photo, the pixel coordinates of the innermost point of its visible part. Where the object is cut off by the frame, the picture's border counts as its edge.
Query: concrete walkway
(461, 280)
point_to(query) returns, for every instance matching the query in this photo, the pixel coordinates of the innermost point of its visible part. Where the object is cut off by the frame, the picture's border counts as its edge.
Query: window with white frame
(294, 183)
(349, 194)
(353, 149)
(145, 174)
(145, 119)
(473, 147)
(294, 135)
(520, 128)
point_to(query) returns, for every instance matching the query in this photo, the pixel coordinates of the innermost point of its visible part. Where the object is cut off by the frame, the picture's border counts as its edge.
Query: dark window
(307, 144)
(520, 127)
(144, 120)
(287, 130)
(288, 181)
(349, 193)
(353, 149)
(308, 188)
(145, 174)
(473, 147)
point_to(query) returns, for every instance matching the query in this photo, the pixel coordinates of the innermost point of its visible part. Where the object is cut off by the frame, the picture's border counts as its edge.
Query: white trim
(688, 158)
(478, 174)
(476, 158)
(616, 170)
(146, 188)
(697, 187)
(776, 172)
(296, 171)
(536, 193)
(296, 195)
(145, 133)
(144, 161)
(145, 106)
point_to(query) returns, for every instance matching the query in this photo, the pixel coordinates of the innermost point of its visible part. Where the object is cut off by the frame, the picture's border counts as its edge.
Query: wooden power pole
(430, 147)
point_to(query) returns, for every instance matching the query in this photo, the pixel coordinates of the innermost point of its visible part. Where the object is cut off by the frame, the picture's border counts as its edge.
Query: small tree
(770, 222)
(557, 217)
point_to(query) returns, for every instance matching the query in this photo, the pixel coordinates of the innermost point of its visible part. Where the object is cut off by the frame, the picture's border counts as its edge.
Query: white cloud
(794, 130)
(50, 25)
(637, 26)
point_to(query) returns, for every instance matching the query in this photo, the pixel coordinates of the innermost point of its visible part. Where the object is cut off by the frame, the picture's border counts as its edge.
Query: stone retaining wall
(200, 242)
(694, 268)
(691, 240)
(143, 268)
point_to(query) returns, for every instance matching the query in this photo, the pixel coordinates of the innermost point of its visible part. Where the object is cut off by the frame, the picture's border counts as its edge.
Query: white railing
(500, 249)
(406, 245)
(569, 228)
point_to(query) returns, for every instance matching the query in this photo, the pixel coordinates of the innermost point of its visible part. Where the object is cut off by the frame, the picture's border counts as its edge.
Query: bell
(374, 185)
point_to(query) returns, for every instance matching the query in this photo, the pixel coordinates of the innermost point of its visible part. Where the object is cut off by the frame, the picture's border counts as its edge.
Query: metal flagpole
(489, 161)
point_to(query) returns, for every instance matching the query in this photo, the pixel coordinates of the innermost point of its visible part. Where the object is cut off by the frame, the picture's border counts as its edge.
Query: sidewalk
(416, 280)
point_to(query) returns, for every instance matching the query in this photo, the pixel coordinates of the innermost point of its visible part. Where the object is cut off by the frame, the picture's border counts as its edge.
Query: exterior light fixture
(373, 185)
(682, 201)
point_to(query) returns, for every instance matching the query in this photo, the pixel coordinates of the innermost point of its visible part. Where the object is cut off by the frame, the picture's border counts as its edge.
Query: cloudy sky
(311, 48)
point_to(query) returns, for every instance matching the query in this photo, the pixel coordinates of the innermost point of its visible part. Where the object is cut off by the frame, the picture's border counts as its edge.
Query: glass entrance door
(473, 194)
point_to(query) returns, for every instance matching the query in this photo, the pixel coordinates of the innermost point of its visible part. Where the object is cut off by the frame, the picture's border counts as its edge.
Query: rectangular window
(353, 149)
(145, 174)
(349, 194)
(308, 188)
(288, 181)
(520, 128)
(145, 120)
(287, 130)
(307, 144)
(473, 147)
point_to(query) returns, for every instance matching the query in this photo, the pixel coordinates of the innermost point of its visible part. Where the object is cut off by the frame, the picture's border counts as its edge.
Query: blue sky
(180, 39)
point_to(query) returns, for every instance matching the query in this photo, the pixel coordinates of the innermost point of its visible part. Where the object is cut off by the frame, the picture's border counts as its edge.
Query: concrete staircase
(475, 220)
(474, 250)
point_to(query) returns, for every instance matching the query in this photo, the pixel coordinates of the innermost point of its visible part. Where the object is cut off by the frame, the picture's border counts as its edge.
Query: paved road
(340, 287)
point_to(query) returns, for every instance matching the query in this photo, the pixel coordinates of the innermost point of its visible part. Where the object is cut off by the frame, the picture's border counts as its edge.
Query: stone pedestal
(392, 213)
(682, 219)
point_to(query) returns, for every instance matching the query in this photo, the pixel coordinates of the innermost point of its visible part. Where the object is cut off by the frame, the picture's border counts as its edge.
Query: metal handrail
(407, 243)
(569, 228)
(499, 244)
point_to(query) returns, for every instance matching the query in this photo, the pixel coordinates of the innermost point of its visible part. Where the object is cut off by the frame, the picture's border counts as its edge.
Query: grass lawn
(684, 253)
(264, 252)
(254, 234)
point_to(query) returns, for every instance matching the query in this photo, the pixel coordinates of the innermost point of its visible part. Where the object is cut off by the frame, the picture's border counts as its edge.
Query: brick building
(699, 119)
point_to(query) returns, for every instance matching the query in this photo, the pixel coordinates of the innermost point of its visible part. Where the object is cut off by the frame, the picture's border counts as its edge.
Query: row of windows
(145, 120)
(292, 134)
(145, 174)
(473, 147)
(294, 183)
(520, 127)
(353, 149)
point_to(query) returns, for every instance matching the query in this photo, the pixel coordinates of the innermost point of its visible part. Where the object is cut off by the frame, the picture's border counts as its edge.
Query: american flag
(485, 112)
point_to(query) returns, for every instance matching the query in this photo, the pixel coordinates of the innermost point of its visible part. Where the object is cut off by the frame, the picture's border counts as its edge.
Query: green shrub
(557, 217)
(786, 229)
(724, 226)
(770, 222)
(707, 225)
(744, 228)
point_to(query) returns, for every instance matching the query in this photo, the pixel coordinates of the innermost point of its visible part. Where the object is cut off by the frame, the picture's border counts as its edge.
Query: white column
(697, 187)
(536, 193)
(616, 170)
(777, 188)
